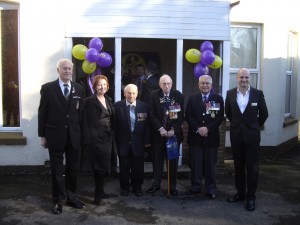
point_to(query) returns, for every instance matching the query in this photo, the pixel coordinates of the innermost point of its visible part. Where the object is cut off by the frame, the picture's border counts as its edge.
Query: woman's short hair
(97, 78)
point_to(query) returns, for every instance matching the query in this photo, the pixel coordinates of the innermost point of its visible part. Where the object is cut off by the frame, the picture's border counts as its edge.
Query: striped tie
(132, 117)
(66, 91)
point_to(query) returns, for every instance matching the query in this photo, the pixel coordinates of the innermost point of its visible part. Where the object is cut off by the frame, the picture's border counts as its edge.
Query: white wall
(276, 18)
(46, 25)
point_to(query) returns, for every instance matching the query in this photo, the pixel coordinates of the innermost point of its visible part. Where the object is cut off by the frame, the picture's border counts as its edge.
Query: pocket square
(254, 104)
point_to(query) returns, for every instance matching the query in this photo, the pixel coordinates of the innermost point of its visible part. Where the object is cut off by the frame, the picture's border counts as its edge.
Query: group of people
(89, 131)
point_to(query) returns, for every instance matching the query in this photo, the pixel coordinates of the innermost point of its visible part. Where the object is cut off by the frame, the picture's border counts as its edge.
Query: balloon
(206, 45)
(96, 43)
(91, 55)
(78, 51)
(88, 67)
(217, 63)
(207, 57)
(104, 59)
(200, 69)
(193, 55)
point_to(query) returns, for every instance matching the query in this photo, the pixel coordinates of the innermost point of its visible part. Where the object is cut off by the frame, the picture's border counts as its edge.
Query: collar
(61, 83)
(207, 95)
(248, 90)
(127, 103)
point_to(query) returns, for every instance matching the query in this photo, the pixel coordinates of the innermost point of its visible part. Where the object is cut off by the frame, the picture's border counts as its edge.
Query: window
(289, 73)
(245, 52)
(9, 70)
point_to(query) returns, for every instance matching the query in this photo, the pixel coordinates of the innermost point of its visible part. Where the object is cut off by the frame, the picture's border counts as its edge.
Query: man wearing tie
(204, 114)
(167, 117)
(132, 136)
(246, 109)
(59, 128)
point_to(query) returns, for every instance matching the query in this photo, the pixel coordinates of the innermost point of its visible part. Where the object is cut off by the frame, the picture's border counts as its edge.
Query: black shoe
(250, 205)
(152, 190)
(76, 204)
(124, 192)
(191, 192)
(237, 197)
(174, 192)
(57, 209)
(211, 195)
(138, 193)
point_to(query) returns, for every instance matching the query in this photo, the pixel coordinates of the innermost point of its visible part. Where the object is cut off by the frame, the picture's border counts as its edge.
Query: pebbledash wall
(47, 29)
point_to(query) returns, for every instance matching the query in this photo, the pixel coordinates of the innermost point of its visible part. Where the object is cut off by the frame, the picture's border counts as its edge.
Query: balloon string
(90, 80)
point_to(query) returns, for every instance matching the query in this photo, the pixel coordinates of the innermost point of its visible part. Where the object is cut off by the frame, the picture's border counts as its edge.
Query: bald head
(243, 79)
(165, 83)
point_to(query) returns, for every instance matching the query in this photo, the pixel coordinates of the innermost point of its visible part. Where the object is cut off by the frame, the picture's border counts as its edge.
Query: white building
(36, 34)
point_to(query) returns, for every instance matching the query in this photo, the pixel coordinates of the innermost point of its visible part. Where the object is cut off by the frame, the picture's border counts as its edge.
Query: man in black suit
(59, 118)
(246, 109)
(204, 114)
(149, 84)
(167, 117)
(132, 136)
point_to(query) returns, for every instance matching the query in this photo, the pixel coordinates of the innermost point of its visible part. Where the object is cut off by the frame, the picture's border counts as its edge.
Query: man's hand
(203, 131)
(44, 142)
(171, 133)
(163, 132)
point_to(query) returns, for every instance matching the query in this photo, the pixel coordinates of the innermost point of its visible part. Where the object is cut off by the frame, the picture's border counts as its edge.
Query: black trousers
(203, 161)
(64, 178)
(246, 164)
(160, 157)
(131, 172)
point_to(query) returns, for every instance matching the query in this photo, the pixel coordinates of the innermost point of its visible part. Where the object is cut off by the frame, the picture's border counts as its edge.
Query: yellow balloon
(217, 63)
(78, 51)
(193, 55)
(88, 67)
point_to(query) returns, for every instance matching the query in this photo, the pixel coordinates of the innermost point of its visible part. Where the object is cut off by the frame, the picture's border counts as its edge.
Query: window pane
(10, 80)
(288, 94)
(243, 47)
(233, 81)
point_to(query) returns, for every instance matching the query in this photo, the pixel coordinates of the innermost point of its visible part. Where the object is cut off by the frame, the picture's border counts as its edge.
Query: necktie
(66, 90)
(166, 111)
(132, 117)
(205, 99)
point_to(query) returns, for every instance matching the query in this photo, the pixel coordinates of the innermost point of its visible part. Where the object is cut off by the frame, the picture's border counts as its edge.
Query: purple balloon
(96, 43)
(104, 59)
(207, 57)
(92, 55)
(206, 45)
(200, 69)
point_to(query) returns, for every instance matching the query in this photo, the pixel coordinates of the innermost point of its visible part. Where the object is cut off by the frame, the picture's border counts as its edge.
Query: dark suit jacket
(97, 134)
(157, 113)
(125, 139)
(196, 117)
(151, 84)
(57, 117)
(246, 127)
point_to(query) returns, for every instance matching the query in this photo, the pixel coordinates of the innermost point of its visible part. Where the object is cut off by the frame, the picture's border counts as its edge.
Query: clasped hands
(202, 131)
(165, 133)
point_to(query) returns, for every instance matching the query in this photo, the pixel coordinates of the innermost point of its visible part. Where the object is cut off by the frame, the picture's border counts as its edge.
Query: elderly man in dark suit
(204, 114)
(167, 117)
(59, 121)
(246, 109)
(132, 136)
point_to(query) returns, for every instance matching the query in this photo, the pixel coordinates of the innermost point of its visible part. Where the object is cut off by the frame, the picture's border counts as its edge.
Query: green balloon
(193, 55)
(78, 51)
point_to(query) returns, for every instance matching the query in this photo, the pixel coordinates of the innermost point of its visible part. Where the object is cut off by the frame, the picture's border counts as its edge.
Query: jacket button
(66, 126)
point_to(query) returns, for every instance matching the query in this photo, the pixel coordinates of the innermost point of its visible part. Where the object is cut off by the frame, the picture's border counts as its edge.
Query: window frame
(5, 129)
(256, 70)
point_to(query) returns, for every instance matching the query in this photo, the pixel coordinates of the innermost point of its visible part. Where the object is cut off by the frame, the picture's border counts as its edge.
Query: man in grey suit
(204, 114)
(59, 120)
(246, 109)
